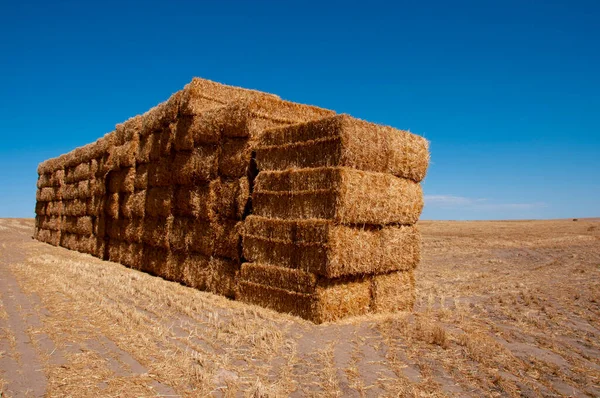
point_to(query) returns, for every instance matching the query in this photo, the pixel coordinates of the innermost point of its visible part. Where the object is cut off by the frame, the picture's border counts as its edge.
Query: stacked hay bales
(219, 176)
(332, 232)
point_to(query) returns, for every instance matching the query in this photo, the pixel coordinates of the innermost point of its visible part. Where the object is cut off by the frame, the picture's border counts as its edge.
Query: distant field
(507, 308)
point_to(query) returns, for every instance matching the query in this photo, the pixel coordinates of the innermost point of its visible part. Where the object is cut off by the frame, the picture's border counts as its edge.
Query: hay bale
(48, 194)
(229, 198)
(99, 227)
(82, 172)
(159, 201)
(221, 277)
(78, 225)
(115, 230)
(227, 238)
(132, 230)
(40, 208)
(69, 191)
(179, 239)
(331, 250)
(167, 139)
(148, 149)
(111, 206)
(160, 173)
(54, 208)
(344, 195)
(87, 244)
(141, 177)
(114, 251)
(122, 155)
(83, 189)
(128, 131)
(133, 205)
(393, 292)
(156, 231)
(344, 141)
(97, 187)
(48, 223)
(95, 206)
(155, 260)
(75, 207)
(195, 269)
(198, 165)
(43, 235)
(122, 180)
(200, 95)
(235, 157)
(193, 201)
(201, 237)
(330, 301)
(55, 237)
(279, 277)
(159, 117)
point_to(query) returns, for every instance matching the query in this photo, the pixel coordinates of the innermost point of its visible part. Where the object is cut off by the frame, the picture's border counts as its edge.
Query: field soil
(503, 309)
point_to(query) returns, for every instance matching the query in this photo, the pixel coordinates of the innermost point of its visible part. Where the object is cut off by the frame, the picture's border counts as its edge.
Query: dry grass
(502, 309)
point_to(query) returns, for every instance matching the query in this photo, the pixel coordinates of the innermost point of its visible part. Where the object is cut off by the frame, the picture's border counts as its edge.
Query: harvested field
(502, 309)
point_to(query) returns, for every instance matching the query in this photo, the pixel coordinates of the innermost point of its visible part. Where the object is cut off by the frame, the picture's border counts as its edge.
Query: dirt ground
(503, 309)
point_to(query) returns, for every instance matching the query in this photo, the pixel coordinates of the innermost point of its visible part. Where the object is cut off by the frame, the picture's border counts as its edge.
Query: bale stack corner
(245, 195)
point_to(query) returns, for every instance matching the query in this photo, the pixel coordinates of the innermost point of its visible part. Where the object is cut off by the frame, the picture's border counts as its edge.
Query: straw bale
(45, 180)
(161, 115)
(83, 189)
(49, 223)
(201, 237)
(344, 195)
(43, 235)
(82, 172)
(69, 241)
(99, 227)
(78, 225)
(180, 238)
(93, 164)
(198, 165)
(95, 206)
(194, 269)
(75, 207)
(227, 238)
(51, 165)
(331, 300)
(86, 244)
(229, 198)
(160, 174)
(279, 277)
(111, 206)
(393, 292)
(132, 230)
(193, 201)
(54, 208)
(148, 148)
(69, 191)
(159, 201)
(344, 141)
(48, 194)
(155, 260)
(130, 254)
(200, 95)
(55, 237)
(114, 229)
(167, 139)
(133, 205)
(114, 251)
(97, 187)
(40, 208)
(122, 180)
(123, 155)
(156, 231)
(235, 157)
(141, 177)
(128, 130)
(221, 278)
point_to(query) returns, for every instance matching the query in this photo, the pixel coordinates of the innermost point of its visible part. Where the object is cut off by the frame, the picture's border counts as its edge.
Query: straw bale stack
(332, 232)
(242, 194)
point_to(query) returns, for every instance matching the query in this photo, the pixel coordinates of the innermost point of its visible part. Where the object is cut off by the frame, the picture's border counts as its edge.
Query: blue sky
(507, 92)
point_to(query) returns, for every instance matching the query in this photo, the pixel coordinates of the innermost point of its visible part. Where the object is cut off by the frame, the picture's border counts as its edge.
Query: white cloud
(454, 201)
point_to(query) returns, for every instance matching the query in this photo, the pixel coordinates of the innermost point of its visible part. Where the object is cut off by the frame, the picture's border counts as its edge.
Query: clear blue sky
(508, 92)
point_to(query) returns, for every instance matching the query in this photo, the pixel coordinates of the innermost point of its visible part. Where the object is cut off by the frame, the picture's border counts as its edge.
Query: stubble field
(503, 309)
